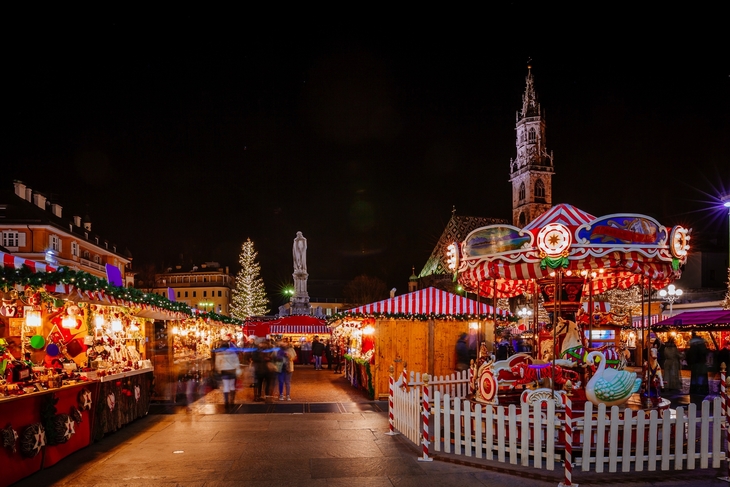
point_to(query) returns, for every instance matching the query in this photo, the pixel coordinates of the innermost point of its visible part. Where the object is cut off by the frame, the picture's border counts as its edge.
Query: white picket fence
(604, 439)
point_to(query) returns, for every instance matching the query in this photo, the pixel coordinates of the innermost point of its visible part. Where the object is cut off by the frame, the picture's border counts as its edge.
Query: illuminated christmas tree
(249, 296)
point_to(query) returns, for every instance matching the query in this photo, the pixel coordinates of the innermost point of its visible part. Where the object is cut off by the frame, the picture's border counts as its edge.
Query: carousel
(564, 259)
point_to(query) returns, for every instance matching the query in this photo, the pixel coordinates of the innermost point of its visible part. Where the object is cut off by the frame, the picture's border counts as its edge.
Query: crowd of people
(264, 364)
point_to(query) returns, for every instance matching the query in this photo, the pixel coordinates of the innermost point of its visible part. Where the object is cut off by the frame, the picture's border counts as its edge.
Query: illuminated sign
(624, 229)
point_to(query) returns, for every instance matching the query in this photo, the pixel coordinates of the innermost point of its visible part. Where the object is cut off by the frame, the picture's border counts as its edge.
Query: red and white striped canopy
(427, 301)
(292, 324)
(15, 262)
(622, 265)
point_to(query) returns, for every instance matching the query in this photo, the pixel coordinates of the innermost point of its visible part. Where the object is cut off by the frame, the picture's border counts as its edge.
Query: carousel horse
(539, 373)
(653, 380)
(575, 350)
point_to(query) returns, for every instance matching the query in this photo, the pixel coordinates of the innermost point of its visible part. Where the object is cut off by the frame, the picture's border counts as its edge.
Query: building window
(97, 259)
(219, 294)
(55, 243)
(13, 239)
(87, 255)
(195, 294)
(75, 249)
(531, 137)
(186, 294)
(178, 294)
(523, 220)
(522, 193)
(539, 189)
(205, 294)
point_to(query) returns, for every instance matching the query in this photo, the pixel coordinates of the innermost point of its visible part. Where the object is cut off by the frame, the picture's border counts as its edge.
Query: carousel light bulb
(569, 273)
(68, 322)
(584, 273)
(116, 326)
(33, 319)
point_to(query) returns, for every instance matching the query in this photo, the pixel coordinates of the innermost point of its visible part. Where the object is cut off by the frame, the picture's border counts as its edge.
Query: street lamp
(525, 314)
(670, 295)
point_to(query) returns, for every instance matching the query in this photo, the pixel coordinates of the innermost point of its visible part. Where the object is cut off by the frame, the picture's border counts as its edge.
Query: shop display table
(21, 412)
(123, 398)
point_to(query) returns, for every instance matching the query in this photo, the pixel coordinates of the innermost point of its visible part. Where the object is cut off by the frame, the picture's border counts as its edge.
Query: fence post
(727, 429)
(404, 382)
(391, 425)
(568, 431)
(425, 414)
(723, 388)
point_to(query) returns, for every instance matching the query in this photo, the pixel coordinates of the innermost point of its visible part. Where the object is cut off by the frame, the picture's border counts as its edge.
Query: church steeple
(532, 170)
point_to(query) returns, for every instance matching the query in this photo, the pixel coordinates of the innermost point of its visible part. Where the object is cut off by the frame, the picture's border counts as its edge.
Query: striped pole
(426, 413)
(568, 429)
(404, 382)
(391, 387)
(723, 388)
(471, 368)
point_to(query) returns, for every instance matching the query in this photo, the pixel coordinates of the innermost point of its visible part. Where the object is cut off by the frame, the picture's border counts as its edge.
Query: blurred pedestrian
(317, 351)
(462, 353)
(306, 352)
(328, 354)
(286, 355)
(259, 359)
(697, 362)
(671, 365)
(226, 363)
(337, 356)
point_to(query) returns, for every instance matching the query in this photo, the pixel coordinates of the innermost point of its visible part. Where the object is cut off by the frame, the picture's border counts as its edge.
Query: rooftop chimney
(39, 200)
(19, 189)
(77, 220)
(56, 209)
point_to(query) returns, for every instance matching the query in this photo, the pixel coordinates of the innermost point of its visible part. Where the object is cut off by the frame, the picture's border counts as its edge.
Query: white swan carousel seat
(609, 386)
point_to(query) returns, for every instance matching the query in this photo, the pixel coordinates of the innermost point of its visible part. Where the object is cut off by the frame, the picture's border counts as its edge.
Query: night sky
(181, 137)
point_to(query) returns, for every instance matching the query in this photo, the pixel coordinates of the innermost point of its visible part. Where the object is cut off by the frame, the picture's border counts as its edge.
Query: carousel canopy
(622, 249)
(426, 302)
(697, 320)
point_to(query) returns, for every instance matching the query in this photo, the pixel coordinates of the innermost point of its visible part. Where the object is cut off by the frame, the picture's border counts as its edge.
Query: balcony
(92, 265)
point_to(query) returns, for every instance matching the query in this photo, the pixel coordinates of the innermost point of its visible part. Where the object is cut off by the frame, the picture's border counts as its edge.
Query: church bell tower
(532, 171)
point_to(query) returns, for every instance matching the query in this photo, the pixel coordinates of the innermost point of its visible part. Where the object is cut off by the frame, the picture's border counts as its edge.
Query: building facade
(531, 172)
(208, 287)
(34, 228)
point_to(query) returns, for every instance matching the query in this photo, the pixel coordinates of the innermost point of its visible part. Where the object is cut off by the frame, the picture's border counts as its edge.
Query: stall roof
(427, 301)
(296, 324)
(697, 320)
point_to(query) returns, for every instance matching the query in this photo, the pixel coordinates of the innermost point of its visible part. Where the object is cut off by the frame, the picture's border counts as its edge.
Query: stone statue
(300, 253)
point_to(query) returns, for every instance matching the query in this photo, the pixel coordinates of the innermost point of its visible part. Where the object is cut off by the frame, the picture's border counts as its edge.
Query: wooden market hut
(419, 329)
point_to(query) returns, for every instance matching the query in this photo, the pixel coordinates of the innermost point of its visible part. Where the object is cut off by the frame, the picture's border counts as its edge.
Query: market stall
(76, 357)
(299, 329)
(712, 326)
(419, 329)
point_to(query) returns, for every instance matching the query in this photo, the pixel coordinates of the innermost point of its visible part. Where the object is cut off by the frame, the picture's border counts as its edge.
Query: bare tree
(364, 290)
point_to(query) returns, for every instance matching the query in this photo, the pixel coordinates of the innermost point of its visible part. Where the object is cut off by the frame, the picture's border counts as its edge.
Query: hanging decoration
(10, 439)
(85, 399)
(63, 428)
(111, 401)
(32, 440)
(76, 415)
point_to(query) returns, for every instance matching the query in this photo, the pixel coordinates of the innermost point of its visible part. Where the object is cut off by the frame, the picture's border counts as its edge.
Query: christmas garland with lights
(420, 317)
(85, 282)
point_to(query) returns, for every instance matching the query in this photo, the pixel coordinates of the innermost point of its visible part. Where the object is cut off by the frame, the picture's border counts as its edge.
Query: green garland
(84, 281)
(419, 317)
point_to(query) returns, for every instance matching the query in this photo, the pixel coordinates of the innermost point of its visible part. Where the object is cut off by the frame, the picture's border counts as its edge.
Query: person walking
(671, 365)
(306, 352)
(328, 354)
(317, 351)
(226, 363)
(286, 356)
(697, 361)
(260, 359)
(337, 356)
(462, 353)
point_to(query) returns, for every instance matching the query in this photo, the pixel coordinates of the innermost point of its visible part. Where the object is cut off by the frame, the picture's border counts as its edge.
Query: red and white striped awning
(15, 262)
(601, 306)
(637, 320)
(427, 301)
(299, 329)
(567, 215)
